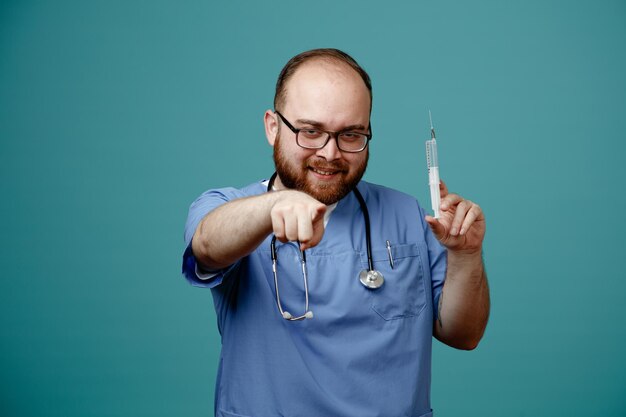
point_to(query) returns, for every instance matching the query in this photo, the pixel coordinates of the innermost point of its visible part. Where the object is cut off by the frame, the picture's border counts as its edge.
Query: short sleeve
(203, 205)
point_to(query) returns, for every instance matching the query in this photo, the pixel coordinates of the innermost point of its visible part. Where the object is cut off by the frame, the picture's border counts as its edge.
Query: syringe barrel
(433, 175)
(435, 193)
(431, 153)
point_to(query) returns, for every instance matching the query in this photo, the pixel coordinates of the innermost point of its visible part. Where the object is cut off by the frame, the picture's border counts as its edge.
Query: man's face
(331, 97)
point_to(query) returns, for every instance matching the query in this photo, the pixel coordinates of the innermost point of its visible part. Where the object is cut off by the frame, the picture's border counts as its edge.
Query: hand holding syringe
(433, 169)
(458, 223)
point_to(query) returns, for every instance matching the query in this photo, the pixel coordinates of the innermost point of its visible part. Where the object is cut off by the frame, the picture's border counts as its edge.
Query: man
(331, 338)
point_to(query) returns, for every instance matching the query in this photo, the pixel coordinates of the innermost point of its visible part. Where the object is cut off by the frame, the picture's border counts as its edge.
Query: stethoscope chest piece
(372, 279)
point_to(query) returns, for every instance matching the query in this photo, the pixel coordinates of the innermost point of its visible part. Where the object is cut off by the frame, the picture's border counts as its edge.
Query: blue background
(115, 115)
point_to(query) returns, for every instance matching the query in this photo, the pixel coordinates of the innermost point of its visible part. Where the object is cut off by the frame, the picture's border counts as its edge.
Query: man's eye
(311, 133)
(351, 136)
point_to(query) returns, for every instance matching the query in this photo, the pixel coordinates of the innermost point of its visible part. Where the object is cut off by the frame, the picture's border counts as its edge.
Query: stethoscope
(370, 278)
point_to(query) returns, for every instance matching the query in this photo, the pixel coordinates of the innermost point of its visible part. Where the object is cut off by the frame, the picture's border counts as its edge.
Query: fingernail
(454, 231)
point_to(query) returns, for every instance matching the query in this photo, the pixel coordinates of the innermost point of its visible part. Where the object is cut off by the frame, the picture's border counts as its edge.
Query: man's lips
(323, 171)
(326, 171)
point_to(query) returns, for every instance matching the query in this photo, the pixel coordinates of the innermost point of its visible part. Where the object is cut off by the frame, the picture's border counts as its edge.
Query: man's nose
(330, 151)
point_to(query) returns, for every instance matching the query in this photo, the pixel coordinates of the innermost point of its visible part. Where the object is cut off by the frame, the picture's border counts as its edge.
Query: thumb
(438, 229)
(317, 214)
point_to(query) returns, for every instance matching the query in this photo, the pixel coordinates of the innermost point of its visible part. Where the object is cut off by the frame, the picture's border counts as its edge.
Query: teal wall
(115, 115)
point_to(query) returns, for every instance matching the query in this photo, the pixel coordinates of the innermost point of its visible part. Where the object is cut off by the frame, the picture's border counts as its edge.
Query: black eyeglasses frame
(330, 134)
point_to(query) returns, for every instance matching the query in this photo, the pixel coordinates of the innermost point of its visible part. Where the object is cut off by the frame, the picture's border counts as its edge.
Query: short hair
(326, 54)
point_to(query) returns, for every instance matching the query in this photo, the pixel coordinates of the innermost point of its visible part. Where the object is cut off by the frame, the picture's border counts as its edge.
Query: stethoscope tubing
(368, 238)
(287, 315)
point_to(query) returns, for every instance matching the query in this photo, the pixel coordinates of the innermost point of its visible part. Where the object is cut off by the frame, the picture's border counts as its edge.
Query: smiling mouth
(323, 172)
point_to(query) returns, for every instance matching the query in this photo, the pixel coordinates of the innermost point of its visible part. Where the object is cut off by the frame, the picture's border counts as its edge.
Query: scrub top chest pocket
(403, 294)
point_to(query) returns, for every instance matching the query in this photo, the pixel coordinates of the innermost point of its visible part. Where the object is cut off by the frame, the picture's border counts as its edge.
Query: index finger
(309, 237)
(305, 228)
(450, 200)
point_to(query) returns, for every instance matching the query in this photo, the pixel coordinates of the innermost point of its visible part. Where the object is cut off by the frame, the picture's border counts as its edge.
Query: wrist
(466, 256)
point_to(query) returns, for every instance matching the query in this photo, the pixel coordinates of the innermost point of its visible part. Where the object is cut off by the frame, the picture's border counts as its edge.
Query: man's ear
(271, 126)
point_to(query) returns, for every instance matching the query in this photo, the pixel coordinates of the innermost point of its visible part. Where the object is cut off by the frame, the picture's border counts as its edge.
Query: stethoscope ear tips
(287, 316)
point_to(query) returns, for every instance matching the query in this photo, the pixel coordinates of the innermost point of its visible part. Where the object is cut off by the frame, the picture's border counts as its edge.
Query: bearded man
(328, 289)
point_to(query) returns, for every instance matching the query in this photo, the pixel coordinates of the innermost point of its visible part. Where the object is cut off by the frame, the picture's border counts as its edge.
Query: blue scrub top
(365, 352)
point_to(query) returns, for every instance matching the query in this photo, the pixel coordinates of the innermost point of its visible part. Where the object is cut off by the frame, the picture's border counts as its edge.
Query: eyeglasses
(313, 138)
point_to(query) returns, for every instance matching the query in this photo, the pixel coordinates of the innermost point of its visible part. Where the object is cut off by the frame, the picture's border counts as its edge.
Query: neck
(275, 183)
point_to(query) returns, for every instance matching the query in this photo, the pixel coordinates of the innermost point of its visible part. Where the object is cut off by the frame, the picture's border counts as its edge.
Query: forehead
(327, 91)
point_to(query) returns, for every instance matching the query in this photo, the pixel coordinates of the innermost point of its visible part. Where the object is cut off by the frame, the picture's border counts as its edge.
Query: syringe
(433, 169)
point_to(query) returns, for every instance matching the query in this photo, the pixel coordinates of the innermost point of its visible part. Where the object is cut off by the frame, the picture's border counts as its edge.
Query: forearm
(464, 303)
(232, 231)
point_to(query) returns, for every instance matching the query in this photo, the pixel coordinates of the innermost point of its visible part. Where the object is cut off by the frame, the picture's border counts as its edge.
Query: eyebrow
(321, 125)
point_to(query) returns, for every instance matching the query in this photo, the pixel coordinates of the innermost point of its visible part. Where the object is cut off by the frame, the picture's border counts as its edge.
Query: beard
(296, 176)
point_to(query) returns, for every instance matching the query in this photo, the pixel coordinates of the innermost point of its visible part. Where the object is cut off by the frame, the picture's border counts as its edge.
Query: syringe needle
(432, 129)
